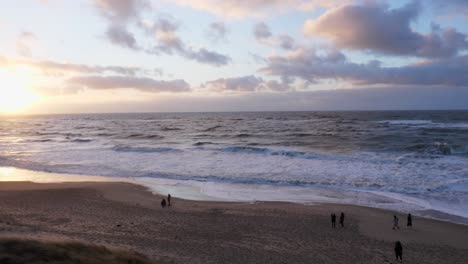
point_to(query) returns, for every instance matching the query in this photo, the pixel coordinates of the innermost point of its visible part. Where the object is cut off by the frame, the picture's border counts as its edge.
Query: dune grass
(18, 251)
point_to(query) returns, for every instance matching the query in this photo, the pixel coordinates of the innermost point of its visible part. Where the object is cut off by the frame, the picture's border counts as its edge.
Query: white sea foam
(425, 124)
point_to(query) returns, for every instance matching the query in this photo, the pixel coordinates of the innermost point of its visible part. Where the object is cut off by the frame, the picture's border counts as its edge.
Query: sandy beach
(127, 216)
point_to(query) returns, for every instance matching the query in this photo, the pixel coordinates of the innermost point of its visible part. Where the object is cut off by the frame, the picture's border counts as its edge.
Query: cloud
(139, 83)
(23, 43)
(57, 68)
(311, 66)
(121, 37)
(120, 14)
(121, 11)
(168, 42)
(451, 8)
(262, 31)
(52, 66)
(248, 83)
(256, 8)
(217, 31)
(263, 35)
(376, 27)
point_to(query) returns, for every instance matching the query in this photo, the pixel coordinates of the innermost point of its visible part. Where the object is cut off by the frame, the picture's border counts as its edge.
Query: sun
(14, 93)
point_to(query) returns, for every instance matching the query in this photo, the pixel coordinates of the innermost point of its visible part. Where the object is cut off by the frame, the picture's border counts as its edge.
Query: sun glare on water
(15, 95)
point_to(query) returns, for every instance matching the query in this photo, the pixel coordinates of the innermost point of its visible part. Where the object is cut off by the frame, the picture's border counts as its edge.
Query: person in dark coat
(398, 251)
(163, 203)
(333, 220)
(409, 223)
(342, 219)
(169, 200)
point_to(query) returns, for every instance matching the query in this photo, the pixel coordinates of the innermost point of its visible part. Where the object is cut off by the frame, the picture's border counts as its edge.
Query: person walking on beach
(333, 220)
(163, 203)
(395, 222)
(398, 251)
(409, 223)
(169, 200)
(342, 219)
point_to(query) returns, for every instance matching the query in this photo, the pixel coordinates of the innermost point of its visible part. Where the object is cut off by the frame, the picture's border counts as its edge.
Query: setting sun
(14, 90)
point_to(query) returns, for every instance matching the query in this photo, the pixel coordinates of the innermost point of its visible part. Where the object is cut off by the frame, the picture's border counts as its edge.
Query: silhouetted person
(333, 220)
(342, 219)
(409, 223)
(395, 222)
(398, 251)
(163, 203)
(169, 200)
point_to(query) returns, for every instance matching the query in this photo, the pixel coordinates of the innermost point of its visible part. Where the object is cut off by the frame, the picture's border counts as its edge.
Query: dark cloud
(312, 67)
(376, 27)
(286, 42)
(208, 57)
(217, 31)
(264, 36)
(261, 31)
(121, 37)
(168, 42)
(119, 13)
(248, 83)
(138, 83)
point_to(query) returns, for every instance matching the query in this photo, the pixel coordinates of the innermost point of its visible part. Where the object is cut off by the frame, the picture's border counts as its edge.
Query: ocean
(403, 160)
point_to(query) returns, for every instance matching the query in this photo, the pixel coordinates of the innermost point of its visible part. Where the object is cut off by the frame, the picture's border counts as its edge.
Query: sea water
(414, 160)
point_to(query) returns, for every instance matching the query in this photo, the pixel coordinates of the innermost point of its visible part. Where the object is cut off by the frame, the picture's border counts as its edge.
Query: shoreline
(128, 216)
(247, 193)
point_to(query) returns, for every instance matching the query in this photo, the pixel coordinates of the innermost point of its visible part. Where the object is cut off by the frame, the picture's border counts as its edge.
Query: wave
(438, 148)
(406, 122)
(425, 124)
(211, 128)
(243, 135)
(40, 140)
(144, 149)
(81, 140)
(170, 129)
(267, 151)
(201, 143)
(144, 136)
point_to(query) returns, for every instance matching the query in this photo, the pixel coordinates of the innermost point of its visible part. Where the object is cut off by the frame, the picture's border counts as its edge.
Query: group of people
(333, 219)
(396, 220)
(163, 202)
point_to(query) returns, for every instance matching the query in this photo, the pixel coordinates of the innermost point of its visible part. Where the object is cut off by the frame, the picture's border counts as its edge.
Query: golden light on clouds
(15, 93)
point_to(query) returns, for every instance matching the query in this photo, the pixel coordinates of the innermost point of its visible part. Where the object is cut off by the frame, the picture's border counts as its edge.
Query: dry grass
(18, 251)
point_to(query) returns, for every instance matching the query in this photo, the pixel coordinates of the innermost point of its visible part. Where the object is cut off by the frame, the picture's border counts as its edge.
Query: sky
(89, 56)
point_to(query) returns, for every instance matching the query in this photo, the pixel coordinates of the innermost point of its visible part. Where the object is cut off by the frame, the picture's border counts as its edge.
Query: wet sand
(127, 216)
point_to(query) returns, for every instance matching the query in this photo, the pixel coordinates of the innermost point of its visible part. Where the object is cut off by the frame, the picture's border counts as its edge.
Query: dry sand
(122, 215)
